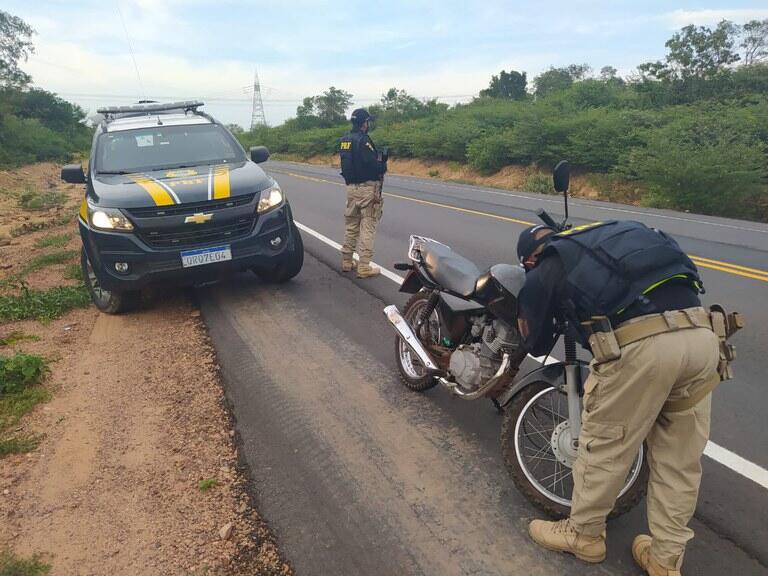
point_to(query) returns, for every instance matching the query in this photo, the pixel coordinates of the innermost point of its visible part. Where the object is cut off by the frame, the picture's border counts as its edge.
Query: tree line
(690, 130)
(35, 124)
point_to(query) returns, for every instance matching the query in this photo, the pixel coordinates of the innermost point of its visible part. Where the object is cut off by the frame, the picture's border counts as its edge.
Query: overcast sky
(446, 49)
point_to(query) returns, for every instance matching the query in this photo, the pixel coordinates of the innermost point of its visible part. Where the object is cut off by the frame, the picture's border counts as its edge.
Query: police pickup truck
(172, 197)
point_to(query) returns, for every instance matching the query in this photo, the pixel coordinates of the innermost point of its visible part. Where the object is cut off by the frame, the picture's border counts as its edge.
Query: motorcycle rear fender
(412, 282)
(551, 374)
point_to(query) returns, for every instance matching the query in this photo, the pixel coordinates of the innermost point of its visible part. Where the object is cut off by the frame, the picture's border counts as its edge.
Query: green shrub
(712, 162)
(19, 371)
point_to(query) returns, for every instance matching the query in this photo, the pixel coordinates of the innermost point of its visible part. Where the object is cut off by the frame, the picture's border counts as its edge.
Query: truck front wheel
(106, 300)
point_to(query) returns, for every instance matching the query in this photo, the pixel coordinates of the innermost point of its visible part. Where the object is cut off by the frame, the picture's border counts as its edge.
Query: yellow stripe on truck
(159, 194)
(220, 182)
(84, 211)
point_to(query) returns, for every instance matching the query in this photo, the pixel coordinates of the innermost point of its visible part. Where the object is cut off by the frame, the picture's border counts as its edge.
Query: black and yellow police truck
(171, 197)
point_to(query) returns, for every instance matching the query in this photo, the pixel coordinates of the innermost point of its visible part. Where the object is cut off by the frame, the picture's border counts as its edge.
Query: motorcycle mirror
(561, 176)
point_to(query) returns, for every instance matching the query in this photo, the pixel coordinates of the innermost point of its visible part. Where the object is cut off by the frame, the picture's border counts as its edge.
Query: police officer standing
(363, 168)
(656, 361)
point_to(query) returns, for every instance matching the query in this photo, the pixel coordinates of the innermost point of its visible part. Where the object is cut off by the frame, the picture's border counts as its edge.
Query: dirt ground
(137, 419)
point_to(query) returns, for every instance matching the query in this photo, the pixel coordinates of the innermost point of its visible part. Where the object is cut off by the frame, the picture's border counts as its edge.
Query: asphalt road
(358, 475)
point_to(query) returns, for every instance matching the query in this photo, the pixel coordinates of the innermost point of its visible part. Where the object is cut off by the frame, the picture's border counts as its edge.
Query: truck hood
(178, 185)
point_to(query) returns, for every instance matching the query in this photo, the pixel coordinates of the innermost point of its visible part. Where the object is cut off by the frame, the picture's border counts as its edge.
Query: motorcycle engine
(474, 364)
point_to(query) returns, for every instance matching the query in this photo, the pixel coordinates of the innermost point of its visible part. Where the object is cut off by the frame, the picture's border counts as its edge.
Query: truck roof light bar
(112, 112)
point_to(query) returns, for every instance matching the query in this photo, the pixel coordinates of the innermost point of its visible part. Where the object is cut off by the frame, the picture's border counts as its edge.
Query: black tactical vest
(609, 265)
(348, 147)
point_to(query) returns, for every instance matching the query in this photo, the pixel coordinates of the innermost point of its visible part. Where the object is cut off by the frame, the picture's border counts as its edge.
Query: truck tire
(106, 300)
(289, 267)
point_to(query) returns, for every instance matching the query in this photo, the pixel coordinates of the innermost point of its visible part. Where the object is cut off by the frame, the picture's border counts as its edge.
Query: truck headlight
(108, 219)
(270, 198)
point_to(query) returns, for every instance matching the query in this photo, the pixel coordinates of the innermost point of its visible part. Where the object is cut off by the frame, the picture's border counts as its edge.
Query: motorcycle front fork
(572, 388)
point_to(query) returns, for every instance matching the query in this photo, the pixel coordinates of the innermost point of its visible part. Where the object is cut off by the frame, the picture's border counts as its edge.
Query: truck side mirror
(259, 154)
(561, 176)
(73, 173)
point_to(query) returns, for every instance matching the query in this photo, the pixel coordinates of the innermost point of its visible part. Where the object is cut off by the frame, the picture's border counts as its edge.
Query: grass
(73, 272)
(17, 336)
(207, 484)
(29, 227)
(33, 200)
(43, 305)
(53, 241)
(12, 565)
(20, 391)
(539, 183)
(19, 445)
(40, 262)
(21, 370)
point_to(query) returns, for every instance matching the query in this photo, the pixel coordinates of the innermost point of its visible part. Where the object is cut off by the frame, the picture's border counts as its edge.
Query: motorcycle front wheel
(537, 449)
(412, 373)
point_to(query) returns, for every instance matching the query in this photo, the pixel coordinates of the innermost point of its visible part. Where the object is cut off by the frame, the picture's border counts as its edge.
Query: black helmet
(361, 115)
(527, 242)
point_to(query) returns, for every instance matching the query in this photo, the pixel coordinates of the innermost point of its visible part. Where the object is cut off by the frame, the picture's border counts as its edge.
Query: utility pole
(257, 111)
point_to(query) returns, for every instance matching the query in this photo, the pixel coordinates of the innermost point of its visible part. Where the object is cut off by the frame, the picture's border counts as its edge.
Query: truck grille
(191, 207)
(163, 227)
(198, 235)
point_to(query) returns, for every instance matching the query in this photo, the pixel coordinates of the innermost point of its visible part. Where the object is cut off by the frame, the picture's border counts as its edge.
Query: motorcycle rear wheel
(412, 373)
(529, 435)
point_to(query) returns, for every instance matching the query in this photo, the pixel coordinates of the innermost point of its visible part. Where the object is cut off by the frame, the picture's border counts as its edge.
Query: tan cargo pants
(623, 406)
(362, 215)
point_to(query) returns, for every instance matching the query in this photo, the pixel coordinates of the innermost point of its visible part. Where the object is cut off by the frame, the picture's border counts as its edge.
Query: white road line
(741, 466)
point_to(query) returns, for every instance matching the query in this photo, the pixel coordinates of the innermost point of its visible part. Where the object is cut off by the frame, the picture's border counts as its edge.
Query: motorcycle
(459, 330)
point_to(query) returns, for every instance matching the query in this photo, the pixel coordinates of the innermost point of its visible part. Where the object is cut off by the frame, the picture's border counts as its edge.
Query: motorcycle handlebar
(546, 218)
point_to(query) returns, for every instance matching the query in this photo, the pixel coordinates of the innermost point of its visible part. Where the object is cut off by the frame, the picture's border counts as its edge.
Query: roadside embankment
(117, 452)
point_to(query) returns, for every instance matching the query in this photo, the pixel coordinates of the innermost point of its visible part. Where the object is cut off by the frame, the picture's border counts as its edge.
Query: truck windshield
(163, 147)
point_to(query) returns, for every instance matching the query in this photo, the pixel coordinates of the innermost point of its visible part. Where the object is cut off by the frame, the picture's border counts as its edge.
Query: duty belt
(653, 324)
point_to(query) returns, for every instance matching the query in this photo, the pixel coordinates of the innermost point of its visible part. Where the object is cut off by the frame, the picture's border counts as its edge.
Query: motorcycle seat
(450, 270)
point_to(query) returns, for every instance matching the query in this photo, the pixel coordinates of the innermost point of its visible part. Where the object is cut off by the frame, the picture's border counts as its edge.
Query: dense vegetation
(34, 124)
(692, 130)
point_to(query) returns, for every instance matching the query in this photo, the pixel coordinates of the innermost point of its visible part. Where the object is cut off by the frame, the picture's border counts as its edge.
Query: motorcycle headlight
(108, 219)
(270, 198)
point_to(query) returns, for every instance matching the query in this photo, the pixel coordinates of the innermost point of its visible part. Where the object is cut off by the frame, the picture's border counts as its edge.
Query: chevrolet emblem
(198, 218)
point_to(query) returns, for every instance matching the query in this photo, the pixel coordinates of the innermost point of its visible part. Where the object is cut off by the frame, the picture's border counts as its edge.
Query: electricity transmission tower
(257, 112)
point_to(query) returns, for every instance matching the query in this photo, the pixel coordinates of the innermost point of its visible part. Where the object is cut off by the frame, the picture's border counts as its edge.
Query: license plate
(205, 256)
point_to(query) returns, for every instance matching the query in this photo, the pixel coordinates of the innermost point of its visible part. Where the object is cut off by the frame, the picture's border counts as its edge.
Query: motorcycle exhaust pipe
(397, 320)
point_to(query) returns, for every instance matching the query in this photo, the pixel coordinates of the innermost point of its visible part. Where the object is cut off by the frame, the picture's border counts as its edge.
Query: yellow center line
(719, 263)
(734, 269)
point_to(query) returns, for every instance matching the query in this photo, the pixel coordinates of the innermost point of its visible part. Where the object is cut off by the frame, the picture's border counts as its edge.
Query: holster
(602, 339)
(725, 325)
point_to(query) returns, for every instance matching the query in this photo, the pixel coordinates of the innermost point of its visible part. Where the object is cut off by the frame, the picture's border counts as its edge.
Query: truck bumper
(270, 241)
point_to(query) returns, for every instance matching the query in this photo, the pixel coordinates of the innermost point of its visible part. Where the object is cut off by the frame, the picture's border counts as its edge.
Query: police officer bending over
(363, 170)
(656, 362)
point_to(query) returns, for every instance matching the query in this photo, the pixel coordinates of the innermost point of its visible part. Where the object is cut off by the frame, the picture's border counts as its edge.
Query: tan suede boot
(562, 537)
(347, 263)
(367, 271)
(641, 551)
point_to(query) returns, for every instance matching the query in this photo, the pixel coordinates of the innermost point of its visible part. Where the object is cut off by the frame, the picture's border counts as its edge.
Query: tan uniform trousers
(362, 214)
(623, 406)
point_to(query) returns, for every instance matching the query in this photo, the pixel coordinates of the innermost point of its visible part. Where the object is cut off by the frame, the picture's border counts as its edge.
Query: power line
(130, 48)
